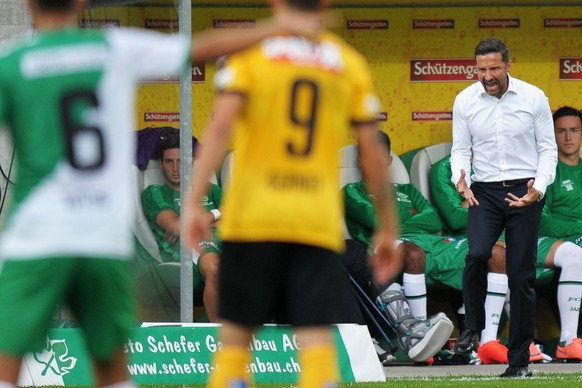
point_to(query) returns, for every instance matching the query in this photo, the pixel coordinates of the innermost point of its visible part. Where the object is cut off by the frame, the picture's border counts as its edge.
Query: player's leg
(318, 358)
(107, 317)
(568, 257)
(233, 357)
(30, 290)
(413, 278)
(9, 369)
(491, 351)
(314, 303)
(208, 267)
(249, 278)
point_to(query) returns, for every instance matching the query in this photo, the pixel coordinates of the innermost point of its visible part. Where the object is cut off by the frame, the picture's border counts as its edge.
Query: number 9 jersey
(301, 97)
(67, 97)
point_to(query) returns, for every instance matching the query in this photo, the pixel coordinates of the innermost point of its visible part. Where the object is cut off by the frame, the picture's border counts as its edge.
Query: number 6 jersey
(301, 97)
(67, 96)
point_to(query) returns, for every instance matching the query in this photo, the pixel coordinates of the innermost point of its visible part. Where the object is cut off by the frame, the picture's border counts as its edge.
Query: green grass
(538, 380)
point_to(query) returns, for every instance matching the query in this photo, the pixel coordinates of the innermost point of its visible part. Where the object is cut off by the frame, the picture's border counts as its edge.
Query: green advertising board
(182, 354)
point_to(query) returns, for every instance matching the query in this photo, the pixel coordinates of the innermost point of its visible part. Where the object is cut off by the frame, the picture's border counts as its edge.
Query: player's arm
(385, 262)
(212, 44)
(217, 135)
(453, 210)
(359, 209)
(169, 221)
(426, 220)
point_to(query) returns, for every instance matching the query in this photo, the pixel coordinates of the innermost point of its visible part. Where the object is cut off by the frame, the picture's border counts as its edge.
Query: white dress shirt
(511, 137)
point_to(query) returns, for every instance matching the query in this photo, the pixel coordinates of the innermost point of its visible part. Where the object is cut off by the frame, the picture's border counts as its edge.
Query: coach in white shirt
(505, 125)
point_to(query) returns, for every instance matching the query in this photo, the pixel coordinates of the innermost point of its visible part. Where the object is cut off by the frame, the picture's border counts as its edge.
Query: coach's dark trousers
(485, 224)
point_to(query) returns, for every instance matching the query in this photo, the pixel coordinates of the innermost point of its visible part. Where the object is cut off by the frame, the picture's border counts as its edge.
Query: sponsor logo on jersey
(443, 70)
(161, 116)
(571, 68)
(429, 24)
(498, 23)
(233, 23)
(162, 24)
(98, 23)
(562, 22)
(371, 24)
(568, 184)
(432, 116)
(297, 50)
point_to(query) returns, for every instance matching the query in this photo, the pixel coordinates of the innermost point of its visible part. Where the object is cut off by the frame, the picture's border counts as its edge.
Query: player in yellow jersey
(290, 101)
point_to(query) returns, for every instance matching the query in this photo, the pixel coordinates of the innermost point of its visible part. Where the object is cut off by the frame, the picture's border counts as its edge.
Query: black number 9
(309, 89)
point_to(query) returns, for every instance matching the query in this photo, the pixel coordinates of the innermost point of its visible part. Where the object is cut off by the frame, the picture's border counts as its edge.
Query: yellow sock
(319, 367)
(230, 369)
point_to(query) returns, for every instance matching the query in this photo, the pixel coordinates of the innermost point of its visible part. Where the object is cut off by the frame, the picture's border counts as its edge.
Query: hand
(465, 191)
(197, 222)
(386, 262)
(171, 238)
(530, 197)
(302, 23)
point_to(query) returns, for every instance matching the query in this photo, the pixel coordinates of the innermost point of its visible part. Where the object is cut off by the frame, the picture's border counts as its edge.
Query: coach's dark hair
(493, 45)
(566, 111)
(54, 5)
(307, 5)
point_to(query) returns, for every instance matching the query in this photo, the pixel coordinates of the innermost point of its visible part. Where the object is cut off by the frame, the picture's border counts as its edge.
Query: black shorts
(285, 283)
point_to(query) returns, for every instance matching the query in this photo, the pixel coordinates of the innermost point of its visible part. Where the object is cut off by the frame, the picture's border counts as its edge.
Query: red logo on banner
(162, 24)
(562, 22)
(161, 116)
(198, 75)
(498, 23)
(442, 70)
(432, 116)
(433, 23)
(367, 24)
(571, 68)
(382, 116)
(233, 23)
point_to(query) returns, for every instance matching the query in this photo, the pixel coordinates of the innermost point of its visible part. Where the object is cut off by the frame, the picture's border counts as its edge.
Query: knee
(497, 262)
(480, 255)
(414, 258)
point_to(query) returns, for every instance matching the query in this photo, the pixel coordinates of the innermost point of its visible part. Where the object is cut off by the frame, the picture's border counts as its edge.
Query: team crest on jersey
(568, 184)
(402, 197)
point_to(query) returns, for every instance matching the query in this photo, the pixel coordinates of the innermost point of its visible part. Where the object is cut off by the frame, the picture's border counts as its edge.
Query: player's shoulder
(15, 44)
(153, 190)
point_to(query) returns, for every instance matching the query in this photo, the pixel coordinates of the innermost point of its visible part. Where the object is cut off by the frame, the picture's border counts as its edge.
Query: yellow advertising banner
(420, 58)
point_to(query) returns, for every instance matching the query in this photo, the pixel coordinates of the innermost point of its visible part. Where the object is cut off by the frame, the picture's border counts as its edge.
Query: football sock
(569, 257)
(231, 362)
(123, 384)
(415, 292)
(494, 301)
(319, 367)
